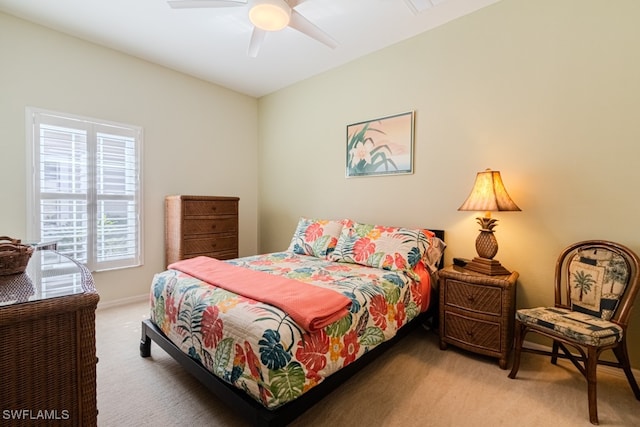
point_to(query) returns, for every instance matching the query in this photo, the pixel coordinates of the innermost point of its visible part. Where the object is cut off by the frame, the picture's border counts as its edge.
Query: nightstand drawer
(482, 334)
(478, 298)
(210, 226)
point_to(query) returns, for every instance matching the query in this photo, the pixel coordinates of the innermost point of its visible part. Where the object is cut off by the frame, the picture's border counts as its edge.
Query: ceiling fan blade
(302, 24)
(191, 4)
(412, 7)
(417, 6)
(257, 37)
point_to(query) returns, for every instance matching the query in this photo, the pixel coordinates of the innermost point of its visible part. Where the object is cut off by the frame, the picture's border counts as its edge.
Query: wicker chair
(596, 282)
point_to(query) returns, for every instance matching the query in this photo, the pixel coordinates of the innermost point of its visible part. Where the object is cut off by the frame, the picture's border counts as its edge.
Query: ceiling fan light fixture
(270, 15)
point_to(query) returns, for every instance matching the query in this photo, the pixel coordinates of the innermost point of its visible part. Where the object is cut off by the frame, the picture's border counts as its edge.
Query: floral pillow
(389, 248)
(315, 237)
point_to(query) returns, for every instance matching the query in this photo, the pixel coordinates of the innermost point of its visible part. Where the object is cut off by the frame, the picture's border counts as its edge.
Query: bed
(272, 334)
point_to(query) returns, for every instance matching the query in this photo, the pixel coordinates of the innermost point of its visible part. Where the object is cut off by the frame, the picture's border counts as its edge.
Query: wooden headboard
(440, 235)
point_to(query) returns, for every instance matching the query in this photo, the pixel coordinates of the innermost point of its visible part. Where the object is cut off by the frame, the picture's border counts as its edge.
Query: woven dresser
(47, 344)
(201, 225)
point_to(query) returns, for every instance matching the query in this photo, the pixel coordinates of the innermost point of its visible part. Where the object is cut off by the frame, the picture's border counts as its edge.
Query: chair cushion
(598, 278)
(581, 327)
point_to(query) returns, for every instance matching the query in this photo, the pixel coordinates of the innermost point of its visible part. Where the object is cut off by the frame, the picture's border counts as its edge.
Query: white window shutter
(85, 190)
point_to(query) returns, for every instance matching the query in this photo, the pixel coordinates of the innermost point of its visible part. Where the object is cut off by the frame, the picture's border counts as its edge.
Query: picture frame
(381, 146)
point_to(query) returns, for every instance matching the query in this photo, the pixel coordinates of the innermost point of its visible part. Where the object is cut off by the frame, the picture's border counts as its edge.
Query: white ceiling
(211, 44)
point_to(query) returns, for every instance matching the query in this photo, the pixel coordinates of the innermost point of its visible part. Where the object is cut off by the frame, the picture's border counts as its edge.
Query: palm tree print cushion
(597, 279)
(584, 328)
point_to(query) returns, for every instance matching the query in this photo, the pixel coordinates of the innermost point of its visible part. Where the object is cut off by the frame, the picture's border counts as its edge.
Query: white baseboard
(604, 368)
(123, 301)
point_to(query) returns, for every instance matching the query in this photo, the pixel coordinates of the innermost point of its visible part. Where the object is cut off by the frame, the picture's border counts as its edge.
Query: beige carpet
(413, 384)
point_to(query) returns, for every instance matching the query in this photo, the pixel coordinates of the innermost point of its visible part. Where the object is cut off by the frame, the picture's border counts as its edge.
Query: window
(84, 188)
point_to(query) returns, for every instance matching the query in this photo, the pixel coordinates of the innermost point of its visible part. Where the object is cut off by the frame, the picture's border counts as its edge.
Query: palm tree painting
(380, 146)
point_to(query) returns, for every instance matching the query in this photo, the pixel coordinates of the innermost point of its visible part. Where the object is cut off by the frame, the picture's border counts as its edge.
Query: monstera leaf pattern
(257, 347)
(315, 237)
(389, 248)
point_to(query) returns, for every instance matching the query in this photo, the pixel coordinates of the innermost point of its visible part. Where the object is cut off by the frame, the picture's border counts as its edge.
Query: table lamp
(488, 194)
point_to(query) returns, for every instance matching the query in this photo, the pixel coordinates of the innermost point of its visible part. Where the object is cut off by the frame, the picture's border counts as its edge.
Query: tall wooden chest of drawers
(477, 311)
(201, 225)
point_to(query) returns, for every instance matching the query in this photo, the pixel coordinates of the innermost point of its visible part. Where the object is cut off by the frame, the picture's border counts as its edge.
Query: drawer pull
(213, 245)
(213, 227)
(470, 333)
(213, 208)
(470, 298)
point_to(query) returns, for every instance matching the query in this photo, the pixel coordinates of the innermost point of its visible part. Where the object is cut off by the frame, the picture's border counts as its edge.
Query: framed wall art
(382, 146)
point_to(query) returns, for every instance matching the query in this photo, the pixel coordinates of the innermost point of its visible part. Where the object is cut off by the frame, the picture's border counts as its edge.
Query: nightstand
(477, 311)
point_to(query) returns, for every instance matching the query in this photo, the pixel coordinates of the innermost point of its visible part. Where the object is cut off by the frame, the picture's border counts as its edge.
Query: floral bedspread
(257, 347)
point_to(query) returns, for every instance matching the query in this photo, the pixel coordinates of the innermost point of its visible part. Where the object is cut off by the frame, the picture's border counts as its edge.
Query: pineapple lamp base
(487, 248)
(490, 267)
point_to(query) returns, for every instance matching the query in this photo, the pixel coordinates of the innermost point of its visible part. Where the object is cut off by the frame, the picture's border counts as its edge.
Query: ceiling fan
(275, 15)
(265, 15)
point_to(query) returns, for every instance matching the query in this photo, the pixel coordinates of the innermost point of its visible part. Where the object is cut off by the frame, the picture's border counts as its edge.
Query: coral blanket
(310, 306)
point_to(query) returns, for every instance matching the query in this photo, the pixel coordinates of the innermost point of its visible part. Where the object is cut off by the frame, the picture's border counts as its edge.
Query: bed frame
(249, 408)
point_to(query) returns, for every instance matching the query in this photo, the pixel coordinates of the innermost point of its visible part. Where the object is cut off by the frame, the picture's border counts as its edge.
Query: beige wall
(192, 129)
(547, 92)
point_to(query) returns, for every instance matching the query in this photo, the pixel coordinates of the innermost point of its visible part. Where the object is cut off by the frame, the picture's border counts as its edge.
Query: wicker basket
(14, 256)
